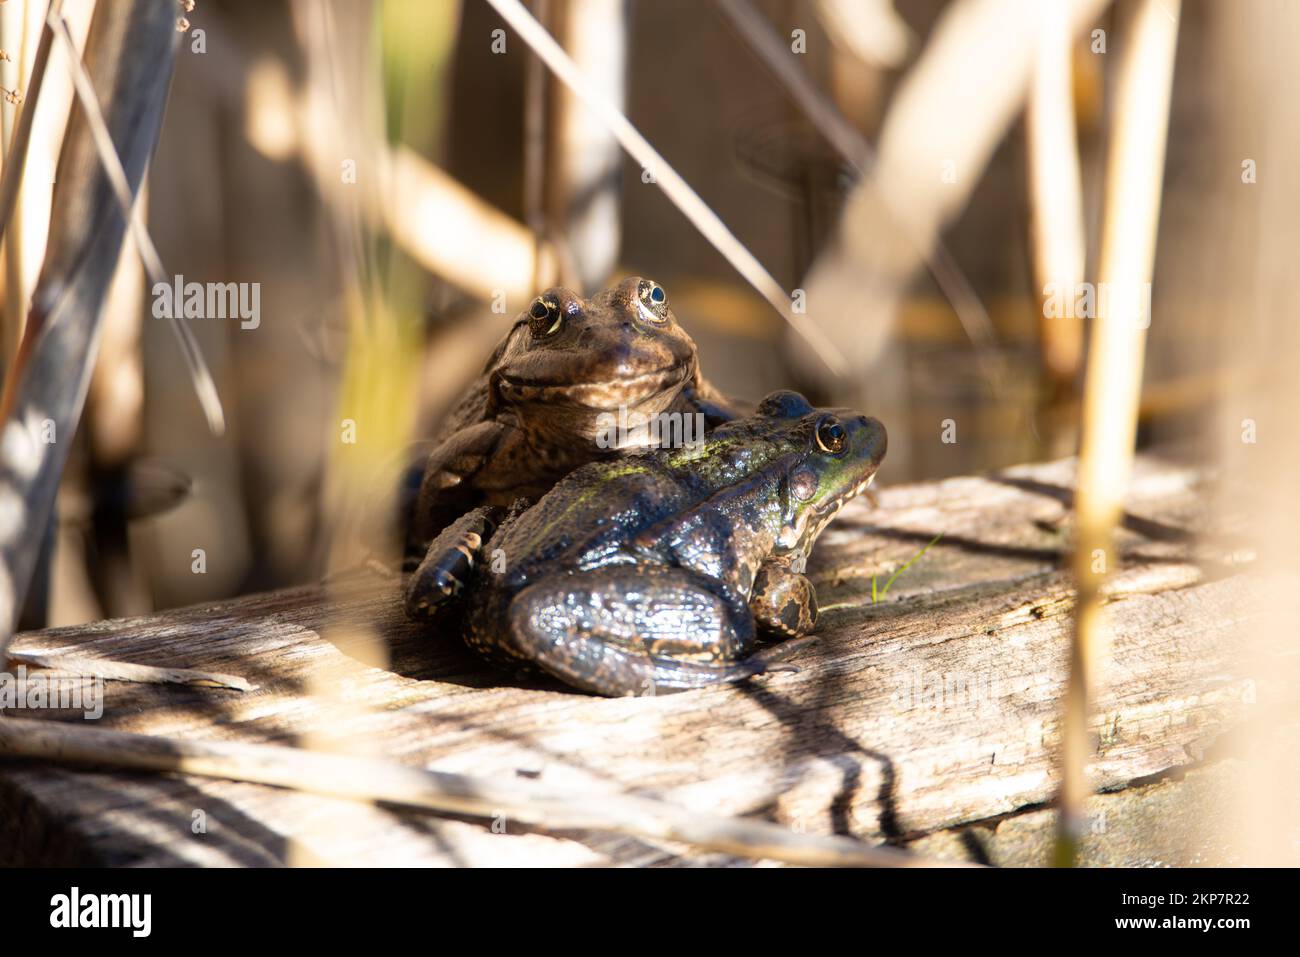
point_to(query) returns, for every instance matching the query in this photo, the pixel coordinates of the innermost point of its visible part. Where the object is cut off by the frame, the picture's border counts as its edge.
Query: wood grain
(932, 710)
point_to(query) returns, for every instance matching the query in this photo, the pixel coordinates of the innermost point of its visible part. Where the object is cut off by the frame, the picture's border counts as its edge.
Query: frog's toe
(433, 592)
(644, 631)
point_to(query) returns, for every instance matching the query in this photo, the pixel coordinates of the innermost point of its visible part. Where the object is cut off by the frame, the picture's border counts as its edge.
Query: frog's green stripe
(615, 471)
(766, 475)
(714, 448)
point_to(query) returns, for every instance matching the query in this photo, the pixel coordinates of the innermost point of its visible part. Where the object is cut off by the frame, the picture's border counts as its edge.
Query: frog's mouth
(832, 508)
(628, 392)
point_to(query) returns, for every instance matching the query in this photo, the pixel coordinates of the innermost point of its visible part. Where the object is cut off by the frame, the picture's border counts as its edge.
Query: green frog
(575, 380)
(656, 571)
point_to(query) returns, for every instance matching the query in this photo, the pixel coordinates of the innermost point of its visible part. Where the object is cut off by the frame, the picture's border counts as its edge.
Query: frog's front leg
(449, 470)
(628, 630)
(783, 602)
(449, 562)
(454, 556)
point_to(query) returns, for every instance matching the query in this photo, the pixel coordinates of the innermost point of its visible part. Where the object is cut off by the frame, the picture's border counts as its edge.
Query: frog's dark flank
(542, 407)
(657, 570)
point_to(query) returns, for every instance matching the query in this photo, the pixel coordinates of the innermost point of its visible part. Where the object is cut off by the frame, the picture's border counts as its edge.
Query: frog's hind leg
(634, 631)
(449, 562)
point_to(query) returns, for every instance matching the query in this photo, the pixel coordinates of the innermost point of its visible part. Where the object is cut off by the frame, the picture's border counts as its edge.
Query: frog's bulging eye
(831, 436)
(655, 301)
(544, 317)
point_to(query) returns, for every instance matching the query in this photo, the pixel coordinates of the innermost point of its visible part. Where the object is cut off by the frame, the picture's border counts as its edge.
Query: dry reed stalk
(1055, 195)
(128, 671)
(204, 387)
(583, 190)
(15, 161)
(129, 55)
(1113, 380)
(947, 117)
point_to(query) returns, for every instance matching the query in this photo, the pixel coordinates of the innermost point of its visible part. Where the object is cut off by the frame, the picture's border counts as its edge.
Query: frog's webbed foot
(449, 563)
(783, 602)
(634, 631)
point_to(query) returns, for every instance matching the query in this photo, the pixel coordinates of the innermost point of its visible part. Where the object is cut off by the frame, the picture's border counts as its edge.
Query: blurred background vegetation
(471, 175)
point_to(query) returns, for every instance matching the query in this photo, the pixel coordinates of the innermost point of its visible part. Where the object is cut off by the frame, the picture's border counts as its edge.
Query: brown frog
(550, 399)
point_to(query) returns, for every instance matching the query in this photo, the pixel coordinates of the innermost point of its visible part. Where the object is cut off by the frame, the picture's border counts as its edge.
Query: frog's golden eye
(654, 299)
(831, 436)
(544, 317)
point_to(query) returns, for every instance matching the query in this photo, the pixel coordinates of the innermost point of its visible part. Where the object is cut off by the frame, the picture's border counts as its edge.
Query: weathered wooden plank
(933, 709)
